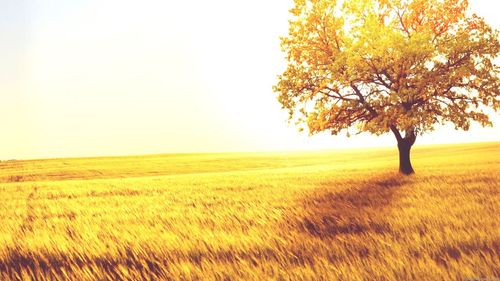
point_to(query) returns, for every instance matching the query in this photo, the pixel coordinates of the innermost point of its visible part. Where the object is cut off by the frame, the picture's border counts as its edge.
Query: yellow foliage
(381, 65)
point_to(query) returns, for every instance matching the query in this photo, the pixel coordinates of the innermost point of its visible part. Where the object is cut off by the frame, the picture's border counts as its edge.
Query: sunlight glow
(83, 78)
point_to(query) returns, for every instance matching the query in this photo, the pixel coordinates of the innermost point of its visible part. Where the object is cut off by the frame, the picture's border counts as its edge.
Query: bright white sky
(82, 78)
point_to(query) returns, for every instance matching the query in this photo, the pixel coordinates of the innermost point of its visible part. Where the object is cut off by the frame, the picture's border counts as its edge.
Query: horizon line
(300, 150)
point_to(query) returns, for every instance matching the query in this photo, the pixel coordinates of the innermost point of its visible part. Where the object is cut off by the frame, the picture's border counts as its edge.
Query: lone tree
(389, 65)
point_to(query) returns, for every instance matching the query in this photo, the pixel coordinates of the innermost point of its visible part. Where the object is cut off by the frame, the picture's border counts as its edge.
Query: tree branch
(396, 133)
(405, 29)
(362, 100)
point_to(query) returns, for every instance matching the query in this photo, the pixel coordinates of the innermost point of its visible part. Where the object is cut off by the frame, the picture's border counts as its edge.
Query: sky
(103, 77)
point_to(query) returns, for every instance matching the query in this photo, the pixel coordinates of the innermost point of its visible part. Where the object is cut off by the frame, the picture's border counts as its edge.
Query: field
(329, 215)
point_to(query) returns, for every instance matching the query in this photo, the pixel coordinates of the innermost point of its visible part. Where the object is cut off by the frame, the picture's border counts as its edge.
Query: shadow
(449, 253)
(44, 265)
(361, 208)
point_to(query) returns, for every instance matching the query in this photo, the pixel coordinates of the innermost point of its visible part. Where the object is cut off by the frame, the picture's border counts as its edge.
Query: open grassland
(338, 215)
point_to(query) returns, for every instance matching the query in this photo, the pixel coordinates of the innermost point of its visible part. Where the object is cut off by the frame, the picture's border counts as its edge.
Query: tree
(380, 66)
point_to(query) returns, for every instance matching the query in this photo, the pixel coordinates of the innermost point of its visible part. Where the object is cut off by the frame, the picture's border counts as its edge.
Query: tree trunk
(404, 158)
(404, 147)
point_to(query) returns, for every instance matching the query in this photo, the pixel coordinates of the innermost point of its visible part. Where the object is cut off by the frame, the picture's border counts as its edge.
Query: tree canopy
(382, 65)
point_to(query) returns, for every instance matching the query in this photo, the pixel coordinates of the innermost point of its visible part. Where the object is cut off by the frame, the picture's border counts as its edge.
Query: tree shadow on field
(361, 208)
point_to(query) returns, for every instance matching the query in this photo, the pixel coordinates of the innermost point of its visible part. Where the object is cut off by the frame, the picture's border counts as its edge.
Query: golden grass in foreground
(301, 216)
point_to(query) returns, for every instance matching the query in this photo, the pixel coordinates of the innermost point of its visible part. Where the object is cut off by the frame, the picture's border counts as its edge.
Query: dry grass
(299, 216)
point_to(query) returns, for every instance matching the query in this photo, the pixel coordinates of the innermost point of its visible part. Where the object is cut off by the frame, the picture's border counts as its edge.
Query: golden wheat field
(326, 215)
